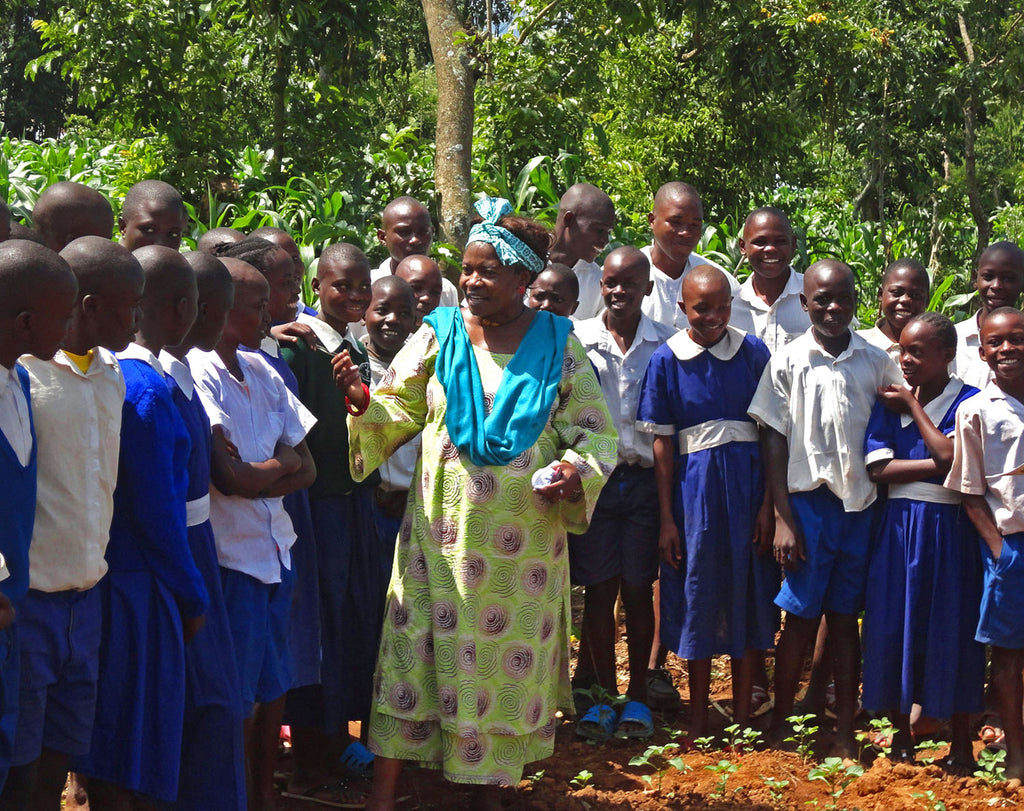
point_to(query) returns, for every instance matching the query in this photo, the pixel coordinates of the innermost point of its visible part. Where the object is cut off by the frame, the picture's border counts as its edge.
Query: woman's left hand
(568, 485)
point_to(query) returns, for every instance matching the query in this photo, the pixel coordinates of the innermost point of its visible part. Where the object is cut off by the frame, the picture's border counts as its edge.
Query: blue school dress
(18, 508)
(924, 581)
(720, 599)
(152, 582)
(304, 632)
(213, 753)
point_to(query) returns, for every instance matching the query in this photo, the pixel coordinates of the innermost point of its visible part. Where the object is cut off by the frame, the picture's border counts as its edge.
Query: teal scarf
(523, 401)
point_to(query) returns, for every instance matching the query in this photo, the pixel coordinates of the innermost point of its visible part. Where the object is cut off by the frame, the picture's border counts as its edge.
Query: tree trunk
(970, 108)
(455, 82)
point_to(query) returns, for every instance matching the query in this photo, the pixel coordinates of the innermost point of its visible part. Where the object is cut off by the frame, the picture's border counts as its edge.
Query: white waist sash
(197, 510)
(924, 491)
(713, 433)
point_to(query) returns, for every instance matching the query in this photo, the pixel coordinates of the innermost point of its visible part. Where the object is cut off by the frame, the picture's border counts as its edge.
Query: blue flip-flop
(357, 760)
(597, 724)
(637, 717)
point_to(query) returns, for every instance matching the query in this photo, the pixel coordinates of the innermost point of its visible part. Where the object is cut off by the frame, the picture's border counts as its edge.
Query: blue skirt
(137, 734)
(720, 599)
(923, 594)
(304, 625)
(213, 752)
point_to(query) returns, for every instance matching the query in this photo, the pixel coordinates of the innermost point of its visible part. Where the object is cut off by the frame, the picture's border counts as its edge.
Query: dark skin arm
(6, 612)
(234, 477)
(789, 543)
(664, 471)
(981, 516)
(940, 446)
(764, 527)
(301, 478)
(293, 332)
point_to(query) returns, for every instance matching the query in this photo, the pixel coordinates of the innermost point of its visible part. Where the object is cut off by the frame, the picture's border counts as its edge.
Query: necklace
(487, 322)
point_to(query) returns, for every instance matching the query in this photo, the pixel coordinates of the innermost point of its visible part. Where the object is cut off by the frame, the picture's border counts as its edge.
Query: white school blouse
(967, 364)
(777, 324)
(15, 422)
(988, 455)
(663, 303)
(822, 404)
(621, 375)
(78, 431)
(875, 337)
(591, 302)
(253, 535)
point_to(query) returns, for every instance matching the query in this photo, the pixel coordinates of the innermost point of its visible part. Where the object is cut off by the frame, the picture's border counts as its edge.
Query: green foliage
(804, 731)
(741, 740)
(775, 786)
(837, 775)
(582, 778)
(661, 758)
(723, 769)
(991, 766)
(879, 736)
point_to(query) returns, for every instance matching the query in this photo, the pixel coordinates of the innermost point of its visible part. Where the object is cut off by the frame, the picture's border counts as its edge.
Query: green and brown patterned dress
(474, 656)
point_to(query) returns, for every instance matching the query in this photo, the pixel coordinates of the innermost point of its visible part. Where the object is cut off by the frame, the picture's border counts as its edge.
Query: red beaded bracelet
(360, 411)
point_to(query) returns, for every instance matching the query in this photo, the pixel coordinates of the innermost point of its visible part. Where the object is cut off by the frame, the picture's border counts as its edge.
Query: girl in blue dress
(717, 585)
(924, 581)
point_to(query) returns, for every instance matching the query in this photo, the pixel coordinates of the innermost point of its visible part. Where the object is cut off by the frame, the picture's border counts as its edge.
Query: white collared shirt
(78, 431)
(988, 455)
(621, 375)
(967, 364)
(179, 371)
(396, 473)
(15, 421)
(935, 410)
(822, 404)
(875, 337)
(253, 535)
(135, 351)
(449, 292)
(591, 302)
(328, 335)
(663, 303)
(778, 324)
(685, 348)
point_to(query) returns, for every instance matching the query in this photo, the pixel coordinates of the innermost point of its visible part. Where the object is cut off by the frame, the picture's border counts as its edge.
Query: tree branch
(533, 23)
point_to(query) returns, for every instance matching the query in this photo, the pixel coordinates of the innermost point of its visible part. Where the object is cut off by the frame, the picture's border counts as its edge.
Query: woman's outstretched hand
(347, 379)
(567, 484)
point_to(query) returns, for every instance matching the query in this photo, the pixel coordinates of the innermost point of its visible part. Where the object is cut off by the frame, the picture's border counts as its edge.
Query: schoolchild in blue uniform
(259, 455)
(153, 596)
(717, 576)
(814, 401)
(924, 579)
(37, 292)
(77, 402)
(212, 774)
(988, 457)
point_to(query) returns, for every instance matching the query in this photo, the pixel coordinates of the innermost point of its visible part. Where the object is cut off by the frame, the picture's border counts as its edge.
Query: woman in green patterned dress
(474, 656)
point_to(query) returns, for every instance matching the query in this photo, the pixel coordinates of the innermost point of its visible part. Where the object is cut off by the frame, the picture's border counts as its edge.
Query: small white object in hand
(546, 475)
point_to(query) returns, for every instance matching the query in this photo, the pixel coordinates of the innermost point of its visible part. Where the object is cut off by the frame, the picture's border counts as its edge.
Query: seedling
(741, 741)
(836, 775)
(927, 750)
(990, 766)
(775, 786)
(535, 777)
(705, 744)
(803, 735)
(582, 778)
(661, 759)
(723, 769)
(932, 804)
(879, 737)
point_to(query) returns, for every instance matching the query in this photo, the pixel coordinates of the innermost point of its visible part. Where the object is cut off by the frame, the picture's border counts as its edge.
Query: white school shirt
(15, 421)
(821, 404)
(988, 455)
(663, 303)
(621, 376)
(449, 292)
(777, 324)
(78, 433)
(396, 473)
(253, 535)
(591, 302)
(875, 337)
(967, 364)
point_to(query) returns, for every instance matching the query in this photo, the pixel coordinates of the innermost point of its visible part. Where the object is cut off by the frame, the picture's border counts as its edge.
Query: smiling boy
(586, 216)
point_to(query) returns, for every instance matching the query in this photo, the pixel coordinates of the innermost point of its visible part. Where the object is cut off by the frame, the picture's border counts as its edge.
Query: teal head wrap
(511, 249)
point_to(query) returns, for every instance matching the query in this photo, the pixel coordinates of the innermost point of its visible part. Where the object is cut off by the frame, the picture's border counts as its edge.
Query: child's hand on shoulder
(669, 545)
(294, 332)
(899, 399)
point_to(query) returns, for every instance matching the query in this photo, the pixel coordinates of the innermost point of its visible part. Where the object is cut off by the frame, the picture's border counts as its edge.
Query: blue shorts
(622, 540)
(1002, 602)
(258, 615)
(834, 576)
(59, 640)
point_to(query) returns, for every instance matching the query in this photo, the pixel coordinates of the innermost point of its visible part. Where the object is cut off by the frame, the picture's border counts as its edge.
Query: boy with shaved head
(424, 277)
(210, 240)
(619, 552)
(37, 292)
(814, 401)
(67, 210)
(677, 222)
(767, 304)
(153, 595)
(406, 230)
(586, 217)
(77, 400)
(153, 213)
